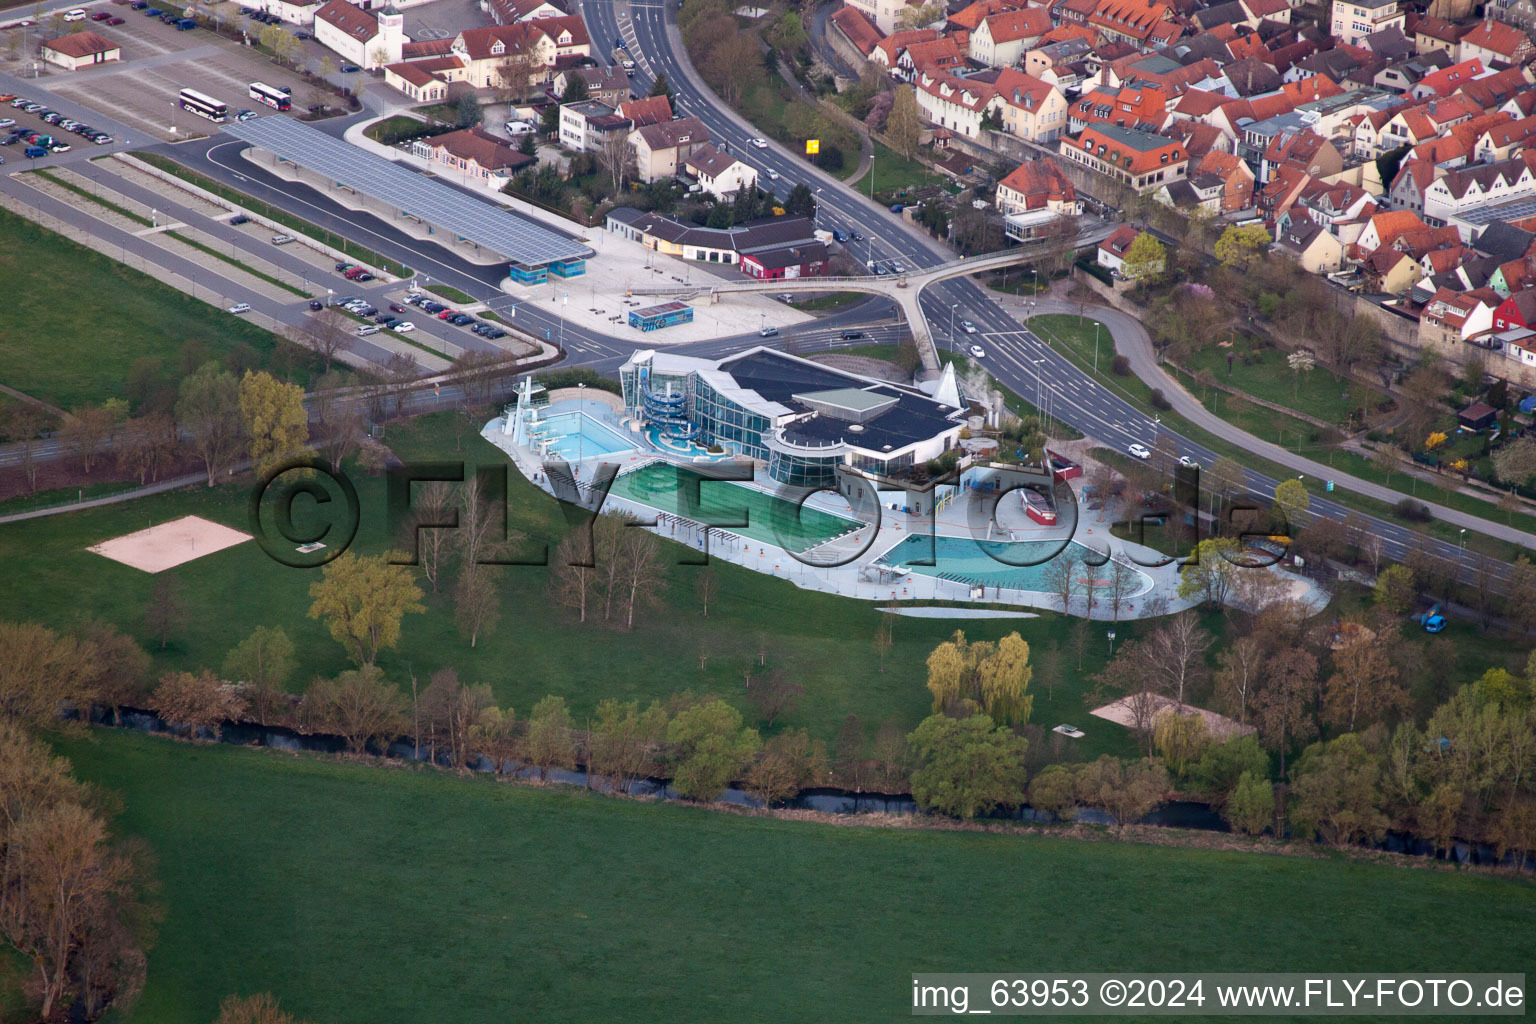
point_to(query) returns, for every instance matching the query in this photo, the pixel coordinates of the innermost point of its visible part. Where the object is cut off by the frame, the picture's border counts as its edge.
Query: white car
(78, 14)
(403, 327)
(240, 307)
(364, 330)
(1141, 451)
(758, 143)
(1188, 463)
(517, 129)
(978, 352)
(967, 327)
(773, 175)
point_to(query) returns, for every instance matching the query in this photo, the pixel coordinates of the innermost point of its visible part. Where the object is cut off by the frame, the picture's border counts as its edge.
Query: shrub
(1159, 401)
(1413, 511)
(1120, 366)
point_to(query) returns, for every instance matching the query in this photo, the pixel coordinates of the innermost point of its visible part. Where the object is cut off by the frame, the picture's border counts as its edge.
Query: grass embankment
(450, 293)
(92, 197)
(232, 261)
(281, 216)
(821, 641)
(894, 174)
(88, 318)
(328, 879)
(1075, 341)
(1264, 373)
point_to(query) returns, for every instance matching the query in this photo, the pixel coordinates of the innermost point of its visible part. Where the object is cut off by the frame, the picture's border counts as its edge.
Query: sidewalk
(1132, 341)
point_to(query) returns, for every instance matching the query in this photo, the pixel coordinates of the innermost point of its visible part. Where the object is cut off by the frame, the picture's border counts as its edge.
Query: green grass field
(88, 317)
(1264, 373)
(362, 894)
(822, 641)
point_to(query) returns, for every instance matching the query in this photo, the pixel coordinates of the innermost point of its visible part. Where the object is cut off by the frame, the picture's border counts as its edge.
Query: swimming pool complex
(769, 519)
(575, 435)
(988, 563)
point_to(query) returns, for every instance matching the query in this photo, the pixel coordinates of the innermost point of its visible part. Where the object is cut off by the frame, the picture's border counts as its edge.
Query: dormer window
(497, 49)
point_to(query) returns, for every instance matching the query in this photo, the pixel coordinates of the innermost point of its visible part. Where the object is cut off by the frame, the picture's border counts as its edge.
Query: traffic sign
(812, 147)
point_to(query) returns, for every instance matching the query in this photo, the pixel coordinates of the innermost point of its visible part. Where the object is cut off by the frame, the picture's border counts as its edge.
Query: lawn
(1075, 341)
(1263, 372)
(822, 641)
(88, 318)
(361, 894)
(894, 173)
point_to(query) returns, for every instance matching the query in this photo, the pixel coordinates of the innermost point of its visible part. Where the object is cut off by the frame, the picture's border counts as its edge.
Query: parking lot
(158, 62)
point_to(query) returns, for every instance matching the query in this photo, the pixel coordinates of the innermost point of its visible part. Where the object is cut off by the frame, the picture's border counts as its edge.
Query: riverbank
(331, 879)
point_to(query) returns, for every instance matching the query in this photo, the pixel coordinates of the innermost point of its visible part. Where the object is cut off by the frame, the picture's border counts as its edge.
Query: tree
(966, 677)
(1252, 807)
(917, 16)
(550, 743)
(1364, 686)
(660, 86)
(904, 125)
(788, 763)
(773, 695)
(24, 422)
(359, 706)
(801, 201)
(966, 766)
(573, 577)
(712, 746)
(849, 762)
(1283, 701)
(1240, 665)
(89, 427)
(1396, 589)
(468, 111)
(39, 670)
(326, 333)
(275, 420)
(262, 1008)
(1145, 260)
(200, 701)
(1291, 499)
(1238, 247)
(1126, 791)
(475, 605)
(640, 570)
(363, 600)
(625, 740)
(1335, 792)
(617, 157)
(1180, 739)
(1515, 461)
(1224, 477)
(1054, 791)
(1216, 773)
(433, 504)
(705, 586)
(122, 667)
(263, 661)
(1061, 578)
(575, 89)
(1300, 362)
(208, 407)
(1212, 571)
(164, 610)
(884, 638)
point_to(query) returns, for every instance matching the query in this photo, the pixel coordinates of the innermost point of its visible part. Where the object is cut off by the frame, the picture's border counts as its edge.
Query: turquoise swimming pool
(985, 563)
(575, 435)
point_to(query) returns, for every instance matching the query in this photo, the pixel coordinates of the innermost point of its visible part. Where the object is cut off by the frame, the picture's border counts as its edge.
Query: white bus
(204, 106)
(262, 93)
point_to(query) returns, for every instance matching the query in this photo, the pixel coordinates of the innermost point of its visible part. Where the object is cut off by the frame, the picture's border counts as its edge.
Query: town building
(588, 125)
(1353, 20)
(720, 174)
(660, 149)
(1139, 159)
(366, 38)
(472, 156)
(81, 50)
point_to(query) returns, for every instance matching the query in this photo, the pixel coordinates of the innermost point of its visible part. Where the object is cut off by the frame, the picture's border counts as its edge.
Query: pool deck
(834, 567)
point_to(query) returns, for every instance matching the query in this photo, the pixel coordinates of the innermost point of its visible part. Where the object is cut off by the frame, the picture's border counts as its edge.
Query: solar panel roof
(501, 231)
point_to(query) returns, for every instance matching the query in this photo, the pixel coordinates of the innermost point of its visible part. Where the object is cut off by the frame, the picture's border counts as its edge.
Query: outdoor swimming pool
(988, 563)
(578, 436)
(769, 519)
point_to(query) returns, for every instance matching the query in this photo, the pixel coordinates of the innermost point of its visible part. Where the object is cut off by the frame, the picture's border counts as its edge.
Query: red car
(395, 307)
(353, 274)
(114, 21)
(445, 314)
(100, 16)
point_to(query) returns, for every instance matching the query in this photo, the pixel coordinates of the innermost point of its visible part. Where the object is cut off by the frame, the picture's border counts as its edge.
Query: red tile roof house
(1449, 318)
(1495, 41)
(81, 50)
(1519, 310)
(472, 156)
(857, 29)
(1236, 177)
(1139, 159)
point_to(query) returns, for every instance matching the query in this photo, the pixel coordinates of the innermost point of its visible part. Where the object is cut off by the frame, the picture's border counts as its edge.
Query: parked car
(350, 69)
(316, 305)
(246, 115)
(116, 21)
(365, 276)
(432, 307)
(444, 313)
(103, 139)
(6, 122)
(240, 307)
(283, 239)
(101, 15)
(395, 307)
(496, 333)
(1139, 450)
(461, 319)
(239, 218)
(368, 310)
(403, 327)
(152, 12)
(35, 151)
(77, 14)
(301, 34)
(386, 319)
(364, 330)
(352, 273)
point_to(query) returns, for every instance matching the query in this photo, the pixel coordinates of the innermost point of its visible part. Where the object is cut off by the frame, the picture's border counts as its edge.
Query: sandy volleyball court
(1220, 726)
(168, 545)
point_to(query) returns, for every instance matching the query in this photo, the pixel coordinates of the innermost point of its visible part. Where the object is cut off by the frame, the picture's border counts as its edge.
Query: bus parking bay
(159, 62)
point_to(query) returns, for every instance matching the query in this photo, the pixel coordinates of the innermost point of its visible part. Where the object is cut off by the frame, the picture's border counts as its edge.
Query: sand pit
(168, 545)
(1220, 726)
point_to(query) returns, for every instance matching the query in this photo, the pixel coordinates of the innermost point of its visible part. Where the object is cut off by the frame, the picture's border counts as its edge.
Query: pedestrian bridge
(904, 289)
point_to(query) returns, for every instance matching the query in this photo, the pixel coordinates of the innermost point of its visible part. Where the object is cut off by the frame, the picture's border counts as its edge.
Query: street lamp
(1096, 326)
(1461, 543)
(581, 411)
(952, 308)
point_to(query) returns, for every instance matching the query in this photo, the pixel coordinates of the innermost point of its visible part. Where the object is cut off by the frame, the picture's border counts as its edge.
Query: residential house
(1447, 80)
(532, 47)
(472, 156)
(660, 149)
(942, 54)
(1033, 196)
(1493, 42)
(1312, 246)
(1388, 271)
(81, 50)
(1138, 22)
(608, 85)
(1125, 106)
(1503, 140)
(587, 126)
(1112, 250)
(1431, 34)
(884, 13)
(1478, 186)
(424, 81)
(1030, 109)
(720, 174)
(1353, 20)
(1002, 39)
(650, 110)
(888, 51)
(1519, 310)
(1066, 52)
(1451, 318)
(508, 12)
(1139, 159)
(786, 263)
(857, 30)
(1236, 177)
(954, 103)
(1306, 151)
(369, 39)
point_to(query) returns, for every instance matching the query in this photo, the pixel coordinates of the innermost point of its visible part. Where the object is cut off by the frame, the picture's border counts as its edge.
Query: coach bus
(262, 93)
(204, 106)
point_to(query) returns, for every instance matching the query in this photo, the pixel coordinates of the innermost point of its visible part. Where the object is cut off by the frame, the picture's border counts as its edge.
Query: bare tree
(1177, 652)
(24, 422)
(773, 695)
(1061, 577)
(149, 447)
(432, 543)
(1123, 581)
(325, 334)
(164, 612)
(572, 577)
(617, 157)
(475, 604)
(705, 587)
(642, 571)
